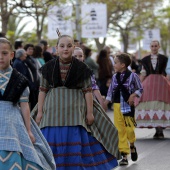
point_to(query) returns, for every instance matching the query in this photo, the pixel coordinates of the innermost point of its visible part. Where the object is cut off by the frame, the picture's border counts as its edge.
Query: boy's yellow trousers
(126, 134)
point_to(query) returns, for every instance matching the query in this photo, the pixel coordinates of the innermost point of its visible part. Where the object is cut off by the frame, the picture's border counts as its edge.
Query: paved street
(153, 154)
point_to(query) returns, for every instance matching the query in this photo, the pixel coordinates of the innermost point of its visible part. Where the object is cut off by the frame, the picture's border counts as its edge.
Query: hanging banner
(150, 35)
(58, 17)
(94, 20)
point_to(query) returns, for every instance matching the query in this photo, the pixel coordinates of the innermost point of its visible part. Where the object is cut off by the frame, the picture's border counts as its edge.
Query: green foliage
(29, 37)
(15, 29)
(164, 25)
(123, 17)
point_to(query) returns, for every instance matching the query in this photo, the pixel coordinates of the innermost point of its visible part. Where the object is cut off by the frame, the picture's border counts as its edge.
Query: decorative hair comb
(58, 32)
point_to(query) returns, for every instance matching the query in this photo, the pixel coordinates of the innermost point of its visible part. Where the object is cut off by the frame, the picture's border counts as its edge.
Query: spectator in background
(90, 62)
(32, 64)
(41, 45)
(2, 35)
(135, 65)
(47, 55)
(17, 45)
(139, 66)
(38, 55)
(168, 69)
(76, 43)
(23, 68)
(82, 46)
(78, 53)
(19, 65)
(54, 52)
(105, 73)
(107, 48)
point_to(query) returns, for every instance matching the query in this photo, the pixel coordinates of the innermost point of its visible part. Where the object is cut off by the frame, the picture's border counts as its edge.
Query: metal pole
(168, 49)
(78, 29)
(139, 50)
(169, 32)
(139, 45)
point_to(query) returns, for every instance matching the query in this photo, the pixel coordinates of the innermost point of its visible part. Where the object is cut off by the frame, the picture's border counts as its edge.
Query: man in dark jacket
(20, 65)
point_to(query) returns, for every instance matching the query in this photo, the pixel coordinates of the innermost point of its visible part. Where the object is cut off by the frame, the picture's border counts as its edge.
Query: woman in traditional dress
(22, 145)
(153, 108)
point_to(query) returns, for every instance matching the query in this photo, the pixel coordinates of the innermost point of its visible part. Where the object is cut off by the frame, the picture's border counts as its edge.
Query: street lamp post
(78, 31)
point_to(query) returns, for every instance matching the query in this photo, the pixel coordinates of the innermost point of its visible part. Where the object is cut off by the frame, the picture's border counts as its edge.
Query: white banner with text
(59, 17)
(94, 20)
(150, 35)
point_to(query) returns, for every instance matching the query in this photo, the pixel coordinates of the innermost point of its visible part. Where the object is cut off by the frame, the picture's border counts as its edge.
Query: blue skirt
(75, 149)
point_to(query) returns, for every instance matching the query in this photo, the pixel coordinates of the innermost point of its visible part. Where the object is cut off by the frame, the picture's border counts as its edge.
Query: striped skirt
(75, 149)
(67, 107)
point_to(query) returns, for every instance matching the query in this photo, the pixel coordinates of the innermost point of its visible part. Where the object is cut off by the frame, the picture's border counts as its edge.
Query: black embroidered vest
(160, 66)
(77, 74)
(125, 92)
(15, 87)
(122, 88)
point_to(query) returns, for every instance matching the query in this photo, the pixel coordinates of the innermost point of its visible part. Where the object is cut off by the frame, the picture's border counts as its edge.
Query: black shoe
(161, 135)
(134, 155)
(110, 109)
(156, 136)
(123, 162)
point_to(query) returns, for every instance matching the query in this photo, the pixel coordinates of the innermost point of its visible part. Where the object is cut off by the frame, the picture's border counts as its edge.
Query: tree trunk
(100, 45)
(39, 28)
(4, 15)
(125, 39)
(39, 33)
(5, 24)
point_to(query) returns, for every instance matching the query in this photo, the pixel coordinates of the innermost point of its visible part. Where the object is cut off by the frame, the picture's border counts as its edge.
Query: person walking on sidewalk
(125, 86)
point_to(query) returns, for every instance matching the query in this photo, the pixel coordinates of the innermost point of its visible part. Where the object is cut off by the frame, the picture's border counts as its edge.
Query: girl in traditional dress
(153, 108)
(81, 136)
(125, 86)
(78, 53)
(22, 145)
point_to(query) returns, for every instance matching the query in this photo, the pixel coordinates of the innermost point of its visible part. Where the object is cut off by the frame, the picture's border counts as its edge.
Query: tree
(34, 8)
(126, 15)
(29, 37)
(132, 15)
(164, 23)
(164, 34)
(39, 13)
(15, 29)
(8, 8)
